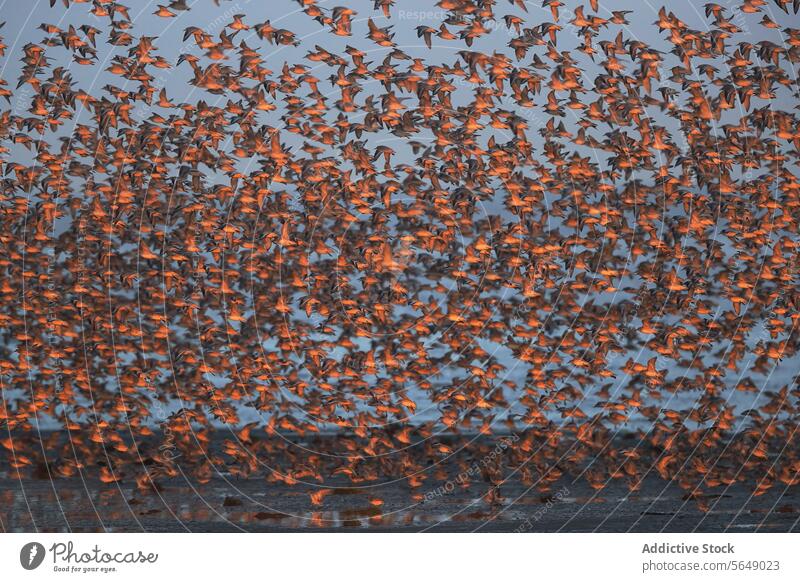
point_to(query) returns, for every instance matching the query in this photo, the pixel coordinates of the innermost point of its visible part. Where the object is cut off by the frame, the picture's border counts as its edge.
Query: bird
(507, 253)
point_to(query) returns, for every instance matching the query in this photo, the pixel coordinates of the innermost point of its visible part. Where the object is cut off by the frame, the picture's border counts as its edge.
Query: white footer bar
(334, 557)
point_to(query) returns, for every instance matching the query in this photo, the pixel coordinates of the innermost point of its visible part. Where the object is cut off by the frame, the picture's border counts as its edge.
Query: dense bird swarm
(541, 225)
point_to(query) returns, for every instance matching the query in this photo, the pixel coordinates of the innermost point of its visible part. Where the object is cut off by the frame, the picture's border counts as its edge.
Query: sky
(22, 20)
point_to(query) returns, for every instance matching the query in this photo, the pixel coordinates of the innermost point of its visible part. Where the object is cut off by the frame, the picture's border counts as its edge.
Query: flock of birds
(537, 220)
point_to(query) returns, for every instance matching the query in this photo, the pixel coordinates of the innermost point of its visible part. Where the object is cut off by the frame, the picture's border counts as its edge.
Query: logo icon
(31, 555)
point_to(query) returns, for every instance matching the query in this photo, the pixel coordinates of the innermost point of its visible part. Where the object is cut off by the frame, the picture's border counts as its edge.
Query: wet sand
(227, 504)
